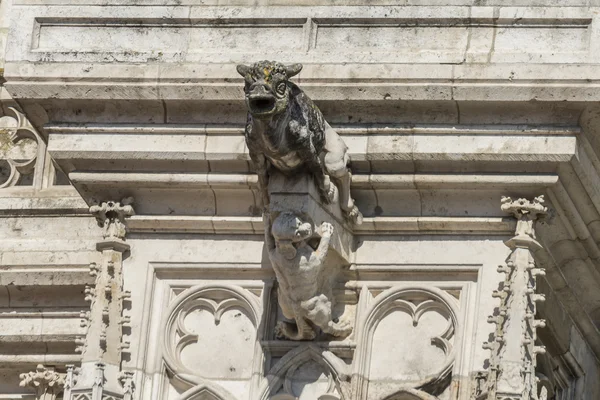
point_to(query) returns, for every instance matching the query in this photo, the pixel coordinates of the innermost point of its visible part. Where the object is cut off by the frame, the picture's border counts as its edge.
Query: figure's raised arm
(323, 248)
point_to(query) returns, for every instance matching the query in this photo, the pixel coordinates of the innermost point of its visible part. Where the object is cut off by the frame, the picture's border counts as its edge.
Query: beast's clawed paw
(340, 329)
(289, 331)
(355, 216)
(281, 330)
(326, 229)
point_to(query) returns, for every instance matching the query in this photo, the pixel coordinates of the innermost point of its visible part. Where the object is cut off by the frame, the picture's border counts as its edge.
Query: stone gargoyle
(305, 289)
(286, 130)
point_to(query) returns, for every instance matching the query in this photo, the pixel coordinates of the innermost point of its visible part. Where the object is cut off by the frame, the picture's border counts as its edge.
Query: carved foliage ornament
(111, 215)
(526, 212)
(46, 382)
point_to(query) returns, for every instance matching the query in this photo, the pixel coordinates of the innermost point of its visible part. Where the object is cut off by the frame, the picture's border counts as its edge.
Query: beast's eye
(281, 88)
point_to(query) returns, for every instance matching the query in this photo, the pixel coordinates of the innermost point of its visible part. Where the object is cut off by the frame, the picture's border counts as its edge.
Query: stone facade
(143, 257)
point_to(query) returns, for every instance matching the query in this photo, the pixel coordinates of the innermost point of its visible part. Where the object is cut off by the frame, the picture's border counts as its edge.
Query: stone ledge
(359, 181)
(379, 226)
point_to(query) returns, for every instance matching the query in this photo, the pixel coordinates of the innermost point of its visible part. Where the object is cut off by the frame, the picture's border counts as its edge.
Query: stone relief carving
(305, 292)
(22, 151)
(222, 319)
(512, 371)
(285, 130)
(46, 382)
(414, 302)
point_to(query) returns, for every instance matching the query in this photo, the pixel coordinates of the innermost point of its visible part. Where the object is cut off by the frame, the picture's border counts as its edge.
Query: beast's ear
(294, 69)
(244, 70)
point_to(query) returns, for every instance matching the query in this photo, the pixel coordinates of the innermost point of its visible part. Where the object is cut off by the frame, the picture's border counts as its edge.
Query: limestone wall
(445, 108)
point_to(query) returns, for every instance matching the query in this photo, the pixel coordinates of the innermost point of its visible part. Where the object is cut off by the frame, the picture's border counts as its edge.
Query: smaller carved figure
(286, 130)
(304, 292)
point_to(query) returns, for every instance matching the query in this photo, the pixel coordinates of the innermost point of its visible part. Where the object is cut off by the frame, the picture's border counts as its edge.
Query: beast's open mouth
(261, 104)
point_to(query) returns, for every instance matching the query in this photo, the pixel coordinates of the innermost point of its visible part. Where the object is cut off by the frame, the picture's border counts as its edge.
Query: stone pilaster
(46, 382)
(103, 345)
(513, 360)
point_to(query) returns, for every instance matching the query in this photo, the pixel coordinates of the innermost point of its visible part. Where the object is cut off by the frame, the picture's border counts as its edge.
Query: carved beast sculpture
(286, 130)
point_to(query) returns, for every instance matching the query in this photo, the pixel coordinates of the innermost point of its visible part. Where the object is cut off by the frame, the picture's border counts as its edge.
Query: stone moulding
(411, 394)
(370, 226)
(386, 302)
(176, 337)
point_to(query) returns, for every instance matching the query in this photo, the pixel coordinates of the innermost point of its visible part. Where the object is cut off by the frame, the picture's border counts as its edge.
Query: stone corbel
(46, 382)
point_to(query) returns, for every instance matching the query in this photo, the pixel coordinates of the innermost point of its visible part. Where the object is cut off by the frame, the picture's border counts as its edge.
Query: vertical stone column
(70, 380)
(513, 359)
(46, 382)
(103, 345)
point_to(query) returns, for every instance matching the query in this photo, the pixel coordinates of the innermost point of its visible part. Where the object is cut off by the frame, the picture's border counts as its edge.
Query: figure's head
(267, 87)
(288, 230)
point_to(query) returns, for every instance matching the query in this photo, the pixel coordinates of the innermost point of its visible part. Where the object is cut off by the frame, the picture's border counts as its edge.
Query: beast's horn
(243, 70)
(294, 69)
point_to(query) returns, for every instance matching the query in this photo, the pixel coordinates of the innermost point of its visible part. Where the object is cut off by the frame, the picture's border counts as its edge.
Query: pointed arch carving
(216, 299)
(280, 374)
(398, 298)
(206, 392)
(411, 394)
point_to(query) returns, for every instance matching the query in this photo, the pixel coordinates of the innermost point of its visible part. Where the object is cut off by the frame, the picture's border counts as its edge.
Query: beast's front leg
(315, 167)
(261, 165)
